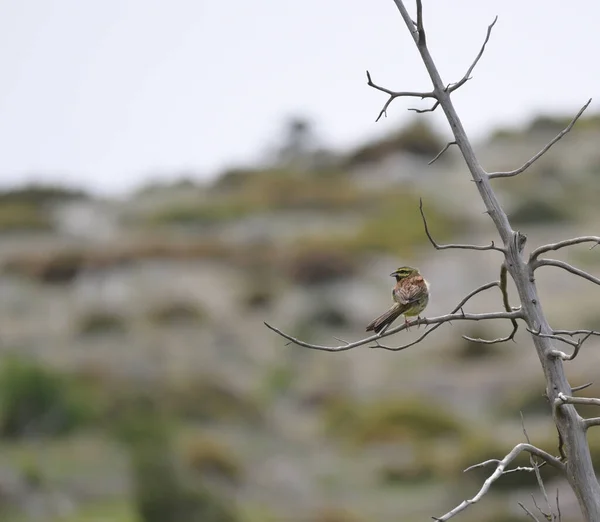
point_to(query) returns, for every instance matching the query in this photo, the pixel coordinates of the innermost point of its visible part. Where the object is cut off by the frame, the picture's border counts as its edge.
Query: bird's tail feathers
(384, 320)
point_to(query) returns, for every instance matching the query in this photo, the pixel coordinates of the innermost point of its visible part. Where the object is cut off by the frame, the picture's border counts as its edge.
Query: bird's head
(404, 272)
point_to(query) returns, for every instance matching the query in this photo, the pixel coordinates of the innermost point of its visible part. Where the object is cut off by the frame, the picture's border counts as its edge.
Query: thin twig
(507, 307)
(553, 336)
(575, 332)
(515, 172)
(467, 76)
(567, 267)
(581, 387)
(422, 111)
(514, 453)
(558, 507)
(547, 516)
(566, 357)
(562, 244)
(438, 155)
(529, 513)
(395, 94)
(437, 246)
(538, 476)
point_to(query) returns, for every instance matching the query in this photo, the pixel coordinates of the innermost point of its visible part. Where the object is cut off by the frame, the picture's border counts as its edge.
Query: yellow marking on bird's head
(403, 272)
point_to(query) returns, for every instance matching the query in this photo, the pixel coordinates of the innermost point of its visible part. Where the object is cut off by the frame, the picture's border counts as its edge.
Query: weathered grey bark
(571, 427)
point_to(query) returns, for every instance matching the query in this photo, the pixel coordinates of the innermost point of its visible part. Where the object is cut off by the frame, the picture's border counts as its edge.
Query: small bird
(411, 295)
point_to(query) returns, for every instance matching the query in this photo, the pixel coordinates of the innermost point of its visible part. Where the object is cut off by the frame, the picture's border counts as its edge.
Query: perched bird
(410, 295)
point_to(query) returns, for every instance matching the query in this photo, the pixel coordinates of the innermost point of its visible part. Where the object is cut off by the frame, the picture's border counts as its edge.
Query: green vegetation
(37, 401)
(23, 217)
(390, 420)
(417, 138)
(316, 265)
(160, 491)
(209, 399)
(207, 457)
(397, 227)
(335, 514)
(471, 351)
(102, 322)
(533, 211)
(531, 401)
(37, 195)
(176, 313)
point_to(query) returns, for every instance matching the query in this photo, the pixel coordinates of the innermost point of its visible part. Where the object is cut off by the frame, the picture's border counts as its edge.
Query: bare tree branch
(557, 353)
(567, 267)
(514, 453)
(567, 399)
(467, 76)
(538, 476)
(458, 307)
(436, 321)
(562, 244)
(507, 307)
(515, 172)
(373, 338)
(529, 513)
(575, 332)
(593, 421)
(581, 387)
(437, 246)
(439, 154)
(422, 111)
(395, 94)
(548, 516)
(558, 507)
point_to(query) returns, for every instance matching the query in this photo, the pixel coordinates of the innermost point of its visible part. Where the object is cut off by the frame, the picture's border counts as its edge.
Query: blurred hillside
(138, 381)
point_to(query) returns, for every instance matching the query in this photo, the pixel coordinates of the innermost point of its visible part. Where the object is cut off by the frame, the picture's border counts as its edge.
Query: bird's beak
(393, 274)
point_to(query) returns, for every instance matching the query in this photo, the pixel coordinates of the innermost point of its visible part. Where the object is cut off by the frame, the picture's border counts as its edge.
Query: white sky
(107, 94)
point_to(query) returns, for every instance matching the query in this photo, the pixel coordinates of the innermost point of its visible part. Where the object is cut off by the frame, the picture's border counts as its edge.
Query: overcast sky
(107, 94)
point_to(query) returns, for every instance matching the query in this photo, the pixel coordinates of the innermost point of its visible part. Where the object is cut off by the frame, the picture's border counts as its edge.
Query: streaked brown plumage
(411, 295)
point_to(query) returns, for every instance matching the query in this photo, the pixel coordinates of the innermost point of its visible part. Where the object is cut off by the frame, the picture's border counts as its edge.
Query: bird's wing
(410, 292)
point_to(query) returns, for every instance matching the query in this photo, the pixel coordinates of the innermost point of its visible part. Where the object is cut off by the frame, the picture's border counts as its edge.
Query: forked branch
(374, 338)
(546, 148)
(437, 246)
(500, 469)
(562, 244)
(467, 76)
(567, 267)
(395, 94)
(439, 154)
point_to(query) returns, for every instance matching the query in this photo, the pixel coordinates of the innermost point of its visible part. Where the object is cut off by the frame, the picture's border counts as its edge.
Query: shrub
(319, 265)
(396, 226)
(209, 399)
(533, 211)
(210, 458)
(470, 350)
(176, 313)
(38, 401)
(16, 217)
(102, 322)
(334, 514)
(390, 420)
(530, 401)
(35, 194)
(480, 448)
(160, 492)
(417, 138)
